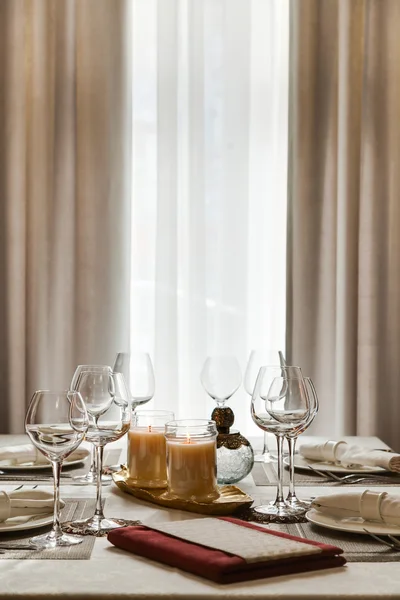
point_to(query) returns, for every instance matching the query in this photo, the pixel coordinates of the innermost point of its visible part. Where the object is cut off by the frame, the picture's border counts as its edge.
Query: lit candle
(147, 463)
(192, 460)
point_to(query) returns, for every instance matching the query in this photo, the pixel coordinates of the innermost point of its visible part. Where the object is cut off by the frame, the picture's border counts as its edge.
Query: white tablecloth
(112, 573)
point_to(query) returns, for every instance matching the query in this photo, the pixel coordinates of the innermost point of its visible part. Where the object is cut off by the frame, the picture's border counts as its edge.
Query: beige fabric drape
(344, 211)
(64, 192)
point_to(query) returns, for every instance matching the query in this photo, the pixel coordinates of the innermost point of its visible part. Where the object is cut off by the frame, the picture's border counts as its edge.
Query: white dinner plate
(68, 462)
(304, 464)
(351, 525)
(34, 522)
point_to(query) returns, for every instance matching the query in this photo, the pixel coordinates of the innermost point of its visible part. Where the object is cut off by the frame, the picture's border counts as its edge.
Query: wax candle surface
(192, 469)
(147, 457)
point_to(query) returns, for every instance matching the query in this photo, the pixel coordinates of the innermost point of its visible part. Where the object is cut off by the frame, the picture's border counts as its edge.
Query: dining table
(111, 573)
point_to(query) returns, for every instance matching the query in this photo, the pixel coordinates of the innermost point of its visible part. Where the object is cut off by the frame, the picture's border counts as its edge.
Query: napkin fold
(370, 505)
(341, 453)
(28, 454)
(25, 504)
(284, 554)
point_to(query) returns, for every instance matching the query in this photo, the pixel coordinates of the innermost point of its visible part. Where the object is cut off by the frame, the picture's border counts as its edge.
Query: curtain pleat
(343, 264)
(64, 166)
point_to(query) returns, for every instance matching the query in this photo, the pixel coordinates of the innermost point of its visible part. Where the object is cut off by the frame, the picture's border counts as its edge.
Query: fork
(351, 478)
(332, 477)
(395, 545)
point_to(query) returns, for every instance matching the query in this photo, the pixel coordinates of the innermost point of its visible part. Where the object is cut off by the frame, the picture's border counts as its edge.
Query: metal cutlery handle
(18, 547)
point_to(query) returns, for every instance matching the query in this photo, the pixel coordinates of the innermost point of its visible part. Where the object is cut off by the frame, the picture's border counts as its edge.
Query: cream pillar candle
(192, 460)
(147, 449)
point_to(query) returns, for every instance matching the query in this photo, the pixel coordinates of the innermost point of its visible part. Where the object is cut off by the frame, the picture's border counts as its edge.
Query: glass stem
(292, 445)
(57, 531)
(265, 449)
(93, 467)
(279, 491)
(99, 464)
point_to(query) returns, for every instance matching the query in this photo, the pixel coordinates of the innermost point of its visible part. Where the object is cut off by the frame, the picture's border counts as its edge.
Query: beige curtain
(64, 192)
(344, 211)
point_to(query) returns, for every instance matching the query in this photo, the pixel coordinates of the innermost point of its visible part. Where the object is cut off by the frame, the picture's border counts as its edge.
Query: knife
(26, 477)
(18, 547)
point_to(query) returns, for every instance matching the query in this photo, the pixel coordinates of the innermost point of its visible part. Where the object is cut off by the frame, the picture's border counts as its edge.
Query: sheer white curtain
(210, 136)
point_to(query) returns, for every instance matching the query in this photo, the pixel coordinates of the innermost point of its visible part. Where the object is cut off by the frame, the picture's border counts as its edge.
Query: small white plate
(304, 464)
(34, 522)
(351, 525)
(68, 462)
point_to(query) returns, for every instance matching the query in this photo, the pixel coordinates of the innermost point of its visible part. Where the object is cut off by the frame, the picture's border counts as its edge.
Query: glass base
(278, 512)
(299, 505)
(91, 479)
(265, 457)
(49, 540)
(97, 526)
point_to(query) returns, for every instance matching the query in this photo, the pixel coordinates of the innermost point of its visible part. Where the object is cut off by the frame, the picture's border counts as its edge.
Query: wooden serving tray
(231, 498)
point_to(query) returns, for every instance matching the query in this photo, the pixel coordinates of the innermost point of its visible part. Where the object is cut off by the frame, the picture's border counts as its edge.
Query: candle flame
(149, 428)
(187, 441)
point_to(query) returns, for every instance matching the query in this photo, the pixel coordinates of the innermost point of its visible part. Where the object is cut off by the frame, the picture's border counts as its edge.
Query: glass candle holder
(192, 459)
(147, 461)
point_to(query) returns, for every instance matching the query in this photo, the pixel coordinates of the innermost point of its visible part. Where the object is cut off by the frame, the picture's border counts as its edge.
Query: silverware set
(351, 478)
(394, 544)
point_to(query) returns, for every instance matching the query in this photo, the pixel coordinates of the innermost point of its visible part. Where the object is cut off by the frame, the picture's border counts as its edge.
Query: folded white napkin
(369, 505)
(342, 454)
(28, 454)
(25, 504)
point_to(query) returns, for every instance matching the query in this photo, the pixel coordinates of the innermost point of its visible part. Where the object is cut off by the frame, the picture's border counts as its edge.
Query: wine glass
(291, 438)
(138, 371)
(255, 362)
(221, 377)
(91, 476)
(279, 406)
(56, 422)
(107, 402)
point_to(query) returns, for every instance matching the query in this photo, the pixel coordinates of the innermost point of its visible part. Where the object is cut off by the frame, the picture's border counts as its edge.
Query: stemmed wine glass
(279, 407)
(56, 422)
(255, 362)
(291, 438)
(107, 402)
(91, 476)
(138, 371)
(221, 377)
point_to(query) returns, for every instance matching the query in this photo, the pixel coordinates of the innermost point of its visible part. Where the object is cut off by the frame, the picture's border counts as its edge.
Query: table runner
(75, 508)
(357, 548)
(266, 474)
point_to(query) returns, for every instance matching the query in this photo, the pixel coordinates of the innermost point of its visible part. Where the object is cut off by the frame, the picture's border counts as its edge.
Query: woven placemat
(266, 474)
(357, 548)
(74, 509)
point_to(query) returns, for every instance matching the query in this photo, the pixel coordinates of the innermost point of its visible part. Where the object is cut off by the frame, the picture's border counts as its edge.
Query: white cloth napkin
(28, 454)
(370, 505)
(341, 453)
(25, 504)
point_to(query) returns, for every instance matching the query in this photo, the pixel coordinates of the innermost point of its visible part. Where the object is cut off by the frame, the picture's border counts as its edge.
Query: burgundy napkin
(217, 565)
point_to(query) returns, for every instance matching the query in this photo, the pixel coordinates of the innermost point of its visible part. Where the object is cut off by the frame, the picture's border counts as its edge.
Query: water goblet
(56, 422)
(255, 362)
(91, 476)
(278, 407)
(107, 402)
(291, 438)
(221, 378)
(138, 371)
